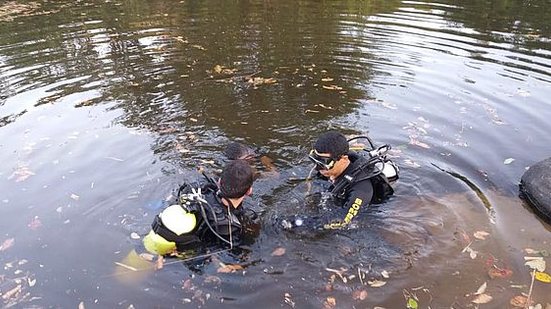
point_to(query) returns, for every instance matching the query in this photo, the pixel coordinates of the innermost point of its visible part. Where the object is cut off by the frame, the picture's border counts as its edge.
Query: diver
(211, 213)
(357, 178)
(239, 151)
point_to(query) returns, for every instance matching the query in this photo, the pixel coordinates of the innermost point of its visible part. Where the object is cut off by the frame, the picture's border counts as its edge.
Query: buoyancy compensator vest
(368, 162)
(198, 211)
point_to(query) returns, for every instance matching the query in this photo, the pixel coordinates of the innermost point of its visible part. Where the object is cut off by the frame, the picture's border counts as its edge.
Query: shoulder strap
(362, 169)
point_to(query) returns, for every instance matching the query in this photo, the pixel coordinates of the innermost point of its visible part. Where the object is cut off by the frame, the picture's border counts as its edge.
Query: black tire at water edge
(535, 188)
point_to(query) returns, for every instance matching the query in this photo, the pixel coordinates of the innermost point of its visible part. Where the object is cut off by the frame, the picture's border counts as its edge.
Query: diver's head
(238, 151)
(236, 180)
(329, 154)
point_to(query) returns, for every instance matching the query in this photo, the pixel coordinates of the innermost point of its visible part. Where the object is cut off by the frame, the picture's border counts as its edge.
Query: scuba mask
(322, 163)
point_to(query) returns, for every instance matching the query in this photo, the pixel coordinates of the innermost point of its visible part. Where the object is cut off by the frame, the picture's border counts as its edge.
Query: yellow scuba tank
(173, 220)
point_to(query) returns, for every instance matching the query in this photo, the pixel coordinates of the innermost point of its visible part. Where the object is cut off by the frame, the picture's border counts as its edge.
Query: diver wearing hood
(357, 178)
(210, 213)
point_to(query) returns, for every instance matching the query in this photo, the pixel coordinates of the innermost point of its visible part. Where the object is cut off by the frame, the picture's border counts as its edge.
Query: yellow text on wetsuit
(353, 210)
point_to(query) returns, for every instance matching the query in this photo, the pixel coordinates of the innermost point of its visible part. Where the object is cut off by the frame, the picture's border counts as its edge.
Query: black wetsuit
(360, 184)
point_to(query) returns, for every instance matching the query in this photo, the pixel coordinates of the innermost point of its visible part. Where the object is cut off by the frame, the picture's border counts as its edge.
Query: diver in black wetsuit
(357, 178)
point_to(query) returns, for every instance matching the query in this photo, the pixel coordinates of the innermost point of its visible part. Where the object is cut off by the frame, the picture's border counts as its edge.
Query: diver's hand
(334, 225)
(292, 222)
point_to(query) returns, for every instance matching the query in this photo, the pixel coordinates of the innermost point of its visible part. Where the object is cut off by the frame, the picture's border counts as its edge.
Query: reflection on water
(106, 106)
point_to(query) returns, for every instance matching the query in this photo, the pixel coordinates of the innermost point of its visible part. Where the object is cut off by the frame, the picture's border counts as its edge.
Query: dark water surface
(106, 106)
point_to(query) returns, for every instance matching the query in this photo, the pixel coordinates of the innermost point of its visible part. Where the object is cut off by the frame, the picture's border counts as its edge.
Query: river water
(106, 106)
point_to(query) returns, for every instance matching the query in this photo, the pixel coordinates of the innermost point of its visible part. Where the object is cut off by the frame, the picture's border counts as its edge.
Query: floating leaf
(278, 251)
(481, 235)
(35, 223)
(31, 282)
(213, 279)
(416, 142)
(289, 300)
(13, 292)
(412, 303)
(481, 289)
(332, 87)
(519, 301)
(7, 244)
(21, 173)
(256, 81)
(330, 302)
(537, 264)
(508, 161)
(229, 268)
(543, 277)
(359, 295)
(482, 299)
(376, 283)
(495, 272)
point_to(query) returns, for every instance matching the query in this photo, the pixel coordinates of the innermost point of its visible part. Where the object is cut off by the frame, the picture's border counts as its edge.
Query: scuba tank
(378, 155)
(370, 163)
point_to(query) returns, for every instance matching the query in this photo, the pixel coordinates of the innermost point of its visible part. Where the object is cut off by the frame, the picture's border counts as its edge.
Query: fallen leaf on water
(31, 282)
(289, 300)
(495, 272)
(412, 303)
(229, 268)
(359, 295)
(21, 173)
(536, 264)
(213, 279)
(411, 163)
(543, 277)
(330, 302)
(261, 81)
(7, 244)
(519, 301)
(13, 292)
(35, 223)
(538, 252)
(481, 289)
(332, 87)
(482, 299)
(376, 283)
(472, 253)
(278, 251)
(323, 106)
(508, 161)
(416, 142)
(481, 235)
